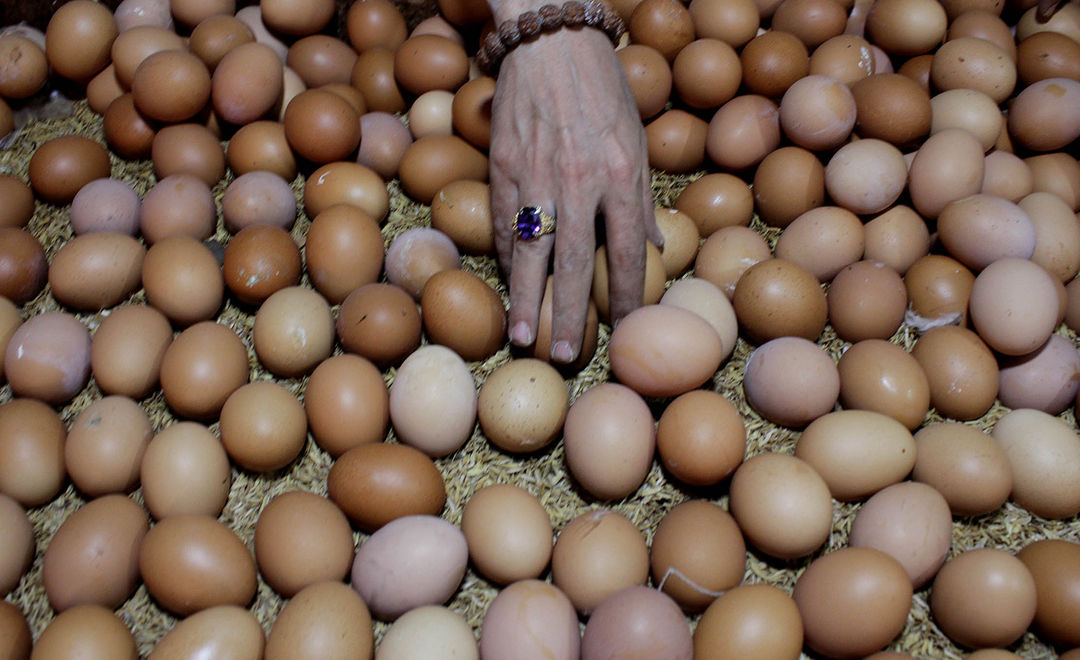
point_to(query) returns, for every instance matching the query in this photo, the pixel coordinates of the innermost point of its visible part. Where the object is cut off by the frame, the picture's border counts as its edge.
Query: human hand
(1046, 9)
(566, 136)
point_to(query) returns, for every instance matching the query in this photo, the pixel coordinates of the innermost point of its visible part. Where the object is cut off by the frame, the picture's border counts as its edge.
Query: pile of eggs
(845, 211)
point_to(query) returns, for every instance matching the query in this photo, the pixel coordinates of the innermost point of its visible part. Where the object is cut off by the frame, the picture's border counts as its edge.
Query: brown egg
(772, 62)
(597, 554)
(610, 440)
(879, 376)
(974, 63)
(183, 280)
(681, 240)
(961, 370)
(1014, 306)
(63, 165)
(190, 13)
(461, 311)
(325, 617)
(91, 631)
(471, 111)
(707, 301)
(853, 601)
(697, 551)
(1035, 116)
(947, 167)
(891, 107)
(743, 132)
(214, 37)
(664, 25)
(462, 211)
(968, 109)
(1042, 451)
(375, 23)
(17, 553)
(261, 145)
(262, 198)
(293, 332)
(906, 28)
(812, 21)
(676, 141)
(133, 46)
(300, 539)
(1047, 55)
(823, 240)
(1057, 173)
(96, 271)
(430, 163)
(188, 149)
(128, 348)
(428, 62)
(706, 73)
(1007, 175)
(346, 183)
(776, 298)
(845, 57)
(7, 119)
(1045, 379)
(344, 250)
(818, 112)
(48, 357)
(321, 126)
(726, 255)
(716, 200)
(260, 260)
(897, 238)
(778, 395)
(93, 558)
(509, 533)
(1055, 566)
(751, 620)
(918, 69)
(983, 598)
(433, 401)
(105, 446)
(25, 68)
(385, 139)
(985, 25)
(787, 183)
(127, 132)
(178, 205)
(637, 618)
(866, 300)
(542, 345)
(732, 21)
(20, 205)
(553, 627)
(192, 562)
(32, 446)
(78, 38)
(248, 83)
(1057, 242)
(185, 470)
(171, 86)
(263, 427)
(373, 74)
(376, 483)
(782, 505)
(320, 60)
(417, 254)
(649, 77)
(223, 628)
(23, 265)
(201, 368)
(965, 465)
(938, 289)
(106, 205)
(379, 321)
(347, 404)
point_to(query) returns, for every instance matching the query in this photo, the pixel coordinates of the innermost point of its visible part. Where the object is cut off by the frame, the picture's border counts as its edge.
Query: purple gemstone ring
(531, 223)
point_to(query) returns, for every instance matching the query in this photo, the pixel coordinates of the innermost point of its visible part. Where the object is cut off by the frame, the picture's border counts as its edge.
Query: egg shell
(707, 301)
(32, 447)
(433, 401)
(886, 451)
(18, 553)
(188, 149)
(1047, 379)
(970, 110)
(531, 620)
(891, 107)
(263, 426)
(93, 557)
(853, 601)
(201, 368)
(727, 254)
(716, 200)
(132, 46)
(321, 60)
(867, 299)
(779, 298)
(105, 446)
(1057, 173)
(190, 562)
(373, 75)
(1007, 175)
(743, 132)
(261, 145)
(224, 629)
(782, 505)
(845, 57)
(700, 438)
(375, 23)
(812, 21)
(25, 68)
(462, 312)
(61, 166)
(817, 112)
(772, 61)
(961, 370)
(1044, 453)
(649, 76)
(347, 404)
(854, 165)
(948, 166)
(666, 363)
(880, 376)
(23, 265)
(1047, 55)
(91, 631)
(823, 240)
(897, 238)
(980, 229)
(127, 350)
(214, 37)
(171, 86)
(379, 321)
(346, 183)
(938, 289)
(16, 631)
(321, 126)
(965, 465)
(430, 62)
(180, 204)
(598, 553)
(462, 211)
(787, 183)
(1057, 234)
(697, 553)
(97, 270)
(1055, 566)
(664, 25)
(383, 141)
(107, 205)
(377, 483)
(417, 254)
(681, 240)
(430, 114)
(428, 631)
(1035, 120)
(183, 279)
(522, 405)
(258, 198)
(1014, 305)
(293, 332)
(508, 532)
(259, 261)
(706, 73)
(676, 141)
(791, 381)
(185, 470)
(983, 598)
(637, 619)
(326, 619)
(974, 63)
(409, 562)
(430, 163)
(48, 357)
(606, 422)
(756, 620)
(78, 38)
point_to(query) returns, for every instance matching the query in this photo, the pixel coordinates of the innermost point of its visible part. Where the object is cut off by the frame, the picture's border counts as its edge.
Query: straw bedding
(477, 463)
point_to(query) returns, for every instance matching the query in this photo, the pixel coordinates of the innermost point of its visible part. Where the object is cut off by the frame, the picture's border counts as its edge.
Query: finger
(1046, 10)
(652, 230)
(527, 279)
(573, 269)
(627, 219)
(504, 205)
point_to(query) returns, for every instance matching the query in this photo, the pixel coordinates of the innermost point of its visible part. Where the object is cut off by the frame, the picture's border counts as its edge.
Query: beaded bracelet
(549, 18)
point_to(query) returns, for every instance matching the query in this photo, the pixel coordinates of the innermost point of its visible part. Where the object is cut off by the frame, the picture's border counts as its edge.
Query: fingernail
(521, 335)
(561, 352)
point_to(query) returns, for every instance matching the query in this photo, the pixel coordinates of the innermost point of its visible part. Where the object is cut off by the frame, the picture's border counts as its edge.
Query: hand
(1046, 9)
(566, 136)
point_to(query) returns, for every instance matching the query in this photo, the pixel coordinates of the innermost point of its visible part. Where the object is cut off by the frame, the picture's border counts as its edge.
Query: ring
(531, 223)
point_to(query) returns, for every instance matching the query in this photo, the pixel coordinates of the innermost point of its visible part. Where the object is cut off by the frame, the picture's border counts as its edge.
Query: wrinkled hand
(566, 136)
(1046, 9)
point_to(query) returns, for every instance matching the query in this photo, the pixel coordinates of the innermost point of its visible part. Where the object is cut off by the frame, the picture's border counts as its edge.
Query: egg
(772, 61)
(373, 75)
(32, 446)
(376, 483)
(983, 598)
(259, 261)
(23, 265)
(757, 620)
(433, 401)
(681, 240)
(216, 36)
(609, 420)
(846, 57)
(429, 62)
(849, 169)
(261, 145)
(344, 251)
(727, 254)
(462, 211)
(663, 25)
(185, 470)
(522, 405)
(171, 86)
(1007, 175)
(707, 301)
(220, 629)
(1055, 566)
(852, 601)
(293, 331)
(965, 465)
(697, 553)
(430, 163)
(817, 112)
(823, 240)
(201, 368)
(263, 426)
(596, 554)
(347, 403)
(706, 73)
(48, 357)
(743, 132)
(867, 299)
(96, 270)
(258, 198)
(379, 321)
(20, 208)
(105, 446)
(1057, 173)
(938, 289)
(897, 238)
(974, 63)
(320, 60)
(1045, 379)
(106, 205)
(891, 107)
(530, 620)
(1013, 305)
(61, 166)
(321, 126)
(779, 298)
(461, 311)
(346, 183)
(90, 630)
(427, 631)
(882, 377)
(1044, 453)
(18, 552)
(508, 532)
(787, 183)
(188, 149)
(716, 200)
(383, 141)
(947, 167)
(961, 370)
(127, 350)
(325, 618)
(700, 438)
(676, 141)
(78, 38)
(178, 205)
(375, 23)
(637, 619)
